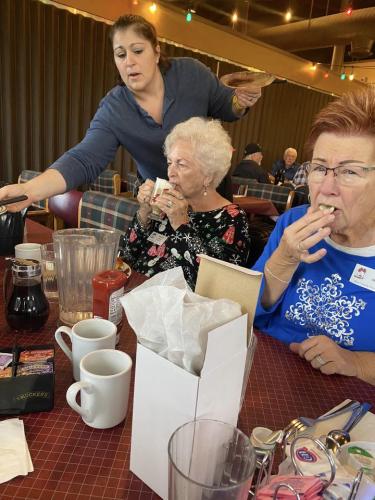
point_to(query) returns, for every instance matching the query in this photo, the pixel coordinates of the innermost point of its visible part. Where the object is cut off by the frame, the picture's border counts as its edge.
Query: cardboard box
(166, 396)
(27, 393)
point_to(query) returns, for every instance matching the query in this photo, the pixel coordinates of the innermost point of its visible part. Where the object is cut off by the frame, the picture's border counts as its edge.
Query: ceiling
(257, 15)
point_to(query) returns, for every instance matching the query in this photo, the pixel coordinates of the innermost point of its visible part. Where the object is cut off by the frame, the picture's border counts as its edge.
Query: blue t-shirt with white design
(321, 299)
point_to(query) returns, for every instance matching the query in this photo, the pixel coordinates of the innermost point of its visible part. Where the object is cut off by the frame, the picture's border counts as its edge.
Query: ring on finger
(320, 360)
(169, 204)
(299, 247)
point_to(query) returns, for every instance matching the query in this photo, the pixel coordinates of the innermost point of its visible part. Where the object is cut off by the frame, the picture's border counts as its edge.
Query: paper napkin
(15, 457)
(363, 431)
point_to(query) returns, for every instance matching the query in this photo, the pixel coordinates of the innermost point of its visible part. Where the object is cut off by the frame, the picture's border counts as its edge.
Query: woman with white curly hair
(197, 218)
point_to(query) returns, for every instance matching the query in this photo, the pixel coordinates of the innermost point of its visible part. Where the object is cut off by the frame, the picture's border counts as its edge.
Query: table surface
(73, 461)
(256, 206)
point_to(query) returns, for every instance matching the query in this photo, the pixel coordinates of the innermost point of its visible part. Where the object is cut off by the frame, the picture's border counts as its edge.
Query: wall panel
(56, 66)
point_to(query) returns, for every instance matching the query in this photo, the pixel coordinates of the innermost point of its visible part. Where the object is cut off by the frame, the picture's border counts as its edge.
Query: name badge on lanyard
(157, 239)
(363, 276)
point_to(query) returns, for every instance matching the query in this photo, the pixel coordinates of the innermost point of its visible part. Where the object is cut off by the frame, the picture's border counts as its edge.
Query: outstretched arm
(43, 186)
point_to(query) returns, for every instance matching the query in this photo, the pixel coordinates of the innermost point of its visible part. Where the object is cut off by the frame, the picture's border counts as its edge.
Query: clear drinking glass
(49, 271)
(209, 459)
(80, 254)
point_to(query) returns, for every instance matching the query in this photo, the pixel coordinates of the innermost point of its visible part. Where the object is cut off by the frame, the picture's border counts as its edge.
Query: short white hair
(211, 145)
(291, 150)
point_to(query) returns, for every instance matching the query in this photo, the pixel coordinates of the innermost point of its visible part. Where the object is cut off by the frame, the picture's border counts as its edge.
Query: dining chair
(109, 181)
(301, 195)
(260, 226)
(106, 211)
(281, 196)
(260, 229)
(65, 208)
(132, 183)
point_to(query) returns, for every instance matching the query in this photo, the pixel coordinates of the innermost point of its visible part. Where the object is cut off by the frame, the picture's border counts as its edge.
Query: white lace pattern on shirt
(323, 310)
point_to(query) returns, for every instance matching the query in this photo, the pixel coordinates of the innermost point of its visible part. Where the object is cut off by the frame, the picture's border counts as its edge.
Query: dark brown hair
(144, 29)
(352, 114)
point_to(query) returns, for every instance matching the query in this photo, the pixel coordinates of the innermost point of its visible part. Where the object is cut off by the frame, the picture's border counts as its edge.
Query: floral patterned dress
(222, 233)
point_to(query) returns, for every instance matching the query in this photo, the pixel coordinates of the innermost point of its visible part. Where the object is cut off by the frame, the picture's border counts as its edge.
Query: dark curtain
(56, 66)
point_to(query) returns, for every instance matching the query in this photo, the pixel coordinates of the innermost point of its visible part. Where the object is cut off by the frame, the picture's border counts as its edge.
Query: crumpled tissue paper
(173, 321)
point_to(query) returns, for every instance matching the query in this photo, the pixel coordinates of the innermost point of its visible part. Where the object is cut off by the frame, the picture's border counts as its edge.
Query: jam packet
(35, 355)
(34, 369)
(5, 359)
(6, 372)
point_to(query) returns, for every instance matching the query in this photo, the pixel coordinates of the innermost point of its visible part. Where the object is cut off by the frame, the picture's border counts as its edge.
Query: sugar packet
(34, 355)
(34, 369)
(5, 359)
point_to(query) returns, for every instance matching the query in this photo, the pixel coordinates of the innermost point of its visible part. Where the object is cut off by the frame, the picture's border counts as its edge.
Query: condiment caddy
(28, 379)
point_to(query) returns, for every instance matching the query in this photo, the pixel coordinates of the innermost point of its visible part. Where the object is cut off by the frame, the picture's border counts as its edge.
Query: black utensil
(15, 199)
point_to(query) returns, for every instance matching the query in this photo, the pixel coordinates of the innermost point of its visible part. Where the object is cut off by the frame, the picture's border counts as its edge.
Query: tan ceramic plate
(247, 79)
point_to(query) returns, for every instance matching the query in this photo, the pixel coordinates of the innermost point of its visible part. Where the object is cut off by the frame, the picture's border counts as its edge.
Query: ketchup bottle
(108, 287)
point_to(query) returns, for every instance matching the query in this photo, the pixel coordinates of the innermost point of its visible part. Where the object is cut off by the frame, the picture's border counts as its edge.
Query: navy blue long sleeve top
(191, 89)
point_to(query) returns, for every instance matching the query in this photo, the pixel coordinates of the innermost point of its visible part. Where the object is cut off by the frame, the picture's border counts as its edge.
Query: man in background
(249, 167)
(285, 169)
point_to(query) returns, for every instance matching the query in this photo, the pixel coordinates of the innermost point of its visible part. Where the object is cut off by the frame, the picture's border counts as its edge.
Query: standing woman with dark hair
(154, 96)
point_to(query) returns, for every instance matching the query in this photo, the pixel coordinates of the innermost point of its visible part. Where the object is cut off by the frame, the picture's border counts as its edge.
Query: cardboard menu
(166, 396)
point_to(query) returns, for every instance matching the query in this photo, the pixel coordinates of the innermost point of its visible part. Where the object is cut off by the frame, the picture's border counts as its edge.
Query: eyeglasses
(346, 175)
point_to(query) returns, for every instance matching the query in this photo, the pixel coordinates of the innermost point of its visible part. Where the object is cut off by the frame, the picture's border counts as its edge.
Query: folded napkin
(363, 431)
(15, 458)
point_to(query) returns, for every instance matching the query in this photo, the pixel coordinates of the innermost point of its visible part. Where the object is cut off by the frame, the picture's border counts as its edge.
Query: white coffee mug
(104, 385)
(28, 251)
(86, 336)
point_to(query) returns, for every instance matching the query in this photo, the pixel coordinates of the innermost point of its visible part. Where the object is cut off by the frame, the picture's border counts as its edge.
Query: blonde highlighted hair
(352, 114)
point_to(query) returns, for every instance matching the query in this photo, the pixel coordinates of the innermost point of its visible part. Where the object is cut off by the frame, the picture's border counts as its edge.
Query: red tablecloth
(256, 206)
(74, 462)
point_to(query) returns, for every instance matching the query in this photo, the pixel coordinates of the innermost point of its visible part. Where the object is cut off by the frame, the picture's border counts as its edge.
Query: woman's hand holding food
(325, 355)
(144, 198)
(175, 206)
(294, 246)
(302, 235)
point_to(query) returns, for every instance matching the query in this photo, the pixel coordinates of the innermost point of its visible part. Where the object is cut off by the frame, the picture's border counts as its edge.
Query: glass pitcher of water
(80, 254)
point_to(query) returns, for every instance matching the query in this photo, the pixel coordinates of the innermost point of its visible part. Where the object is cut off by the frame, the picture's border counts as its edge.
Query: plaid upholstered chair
(132, 183)
(281, 196)
(301, 195)
(105, 211)
(108, 181)
(260, 227)
(39, 208)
